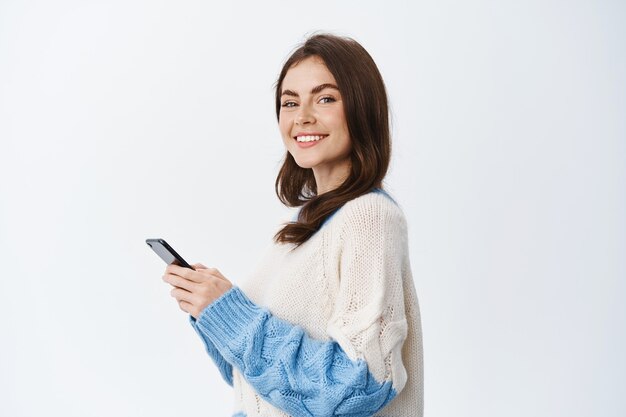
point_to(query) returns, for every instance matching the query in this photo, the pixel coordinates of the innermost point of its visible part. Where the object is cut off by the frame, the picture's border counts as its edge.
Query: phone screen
(167, 253)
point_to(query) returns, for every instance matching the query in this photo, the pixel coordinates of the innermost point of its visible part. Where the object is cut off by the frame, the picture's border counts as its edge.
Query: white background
(123, 120)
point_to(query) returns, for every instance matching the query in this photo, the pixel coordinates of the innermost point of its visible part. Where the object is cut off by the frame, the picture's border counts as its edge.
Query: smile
(310, 138)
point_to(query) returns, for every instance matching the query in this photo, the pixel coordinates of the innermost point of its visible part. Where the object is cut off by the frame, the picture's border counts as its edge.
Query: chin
(304, 161)
(305, 164)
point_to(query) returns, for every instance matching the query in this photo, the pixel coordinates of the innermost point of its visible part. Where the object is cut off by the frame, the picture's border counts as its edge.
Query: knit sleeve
(225, 368)
(369, 320)
(358, 371)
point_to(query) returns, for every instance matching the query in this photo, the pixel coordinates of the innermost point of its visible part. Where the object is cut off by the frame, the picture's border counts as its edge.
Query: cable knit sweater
(328, 328)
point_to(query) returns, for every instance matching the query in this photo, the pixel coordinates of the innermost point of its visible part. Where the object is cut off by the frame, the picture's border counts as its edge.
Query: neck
(327, 178)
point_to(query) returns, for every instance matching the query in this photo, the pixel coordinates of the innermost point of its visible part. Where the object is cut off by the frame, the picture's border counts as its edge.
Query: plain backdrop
(123, 120)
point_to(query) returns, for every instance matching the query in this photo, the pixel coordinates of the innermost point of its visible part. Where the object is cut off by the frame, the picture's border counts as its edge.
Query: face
(312, 120)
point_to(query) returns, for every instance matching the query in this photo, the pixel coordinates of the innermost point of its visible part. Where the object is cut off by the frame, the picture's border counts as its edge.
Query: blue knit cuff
(225, 368)
(226, 318)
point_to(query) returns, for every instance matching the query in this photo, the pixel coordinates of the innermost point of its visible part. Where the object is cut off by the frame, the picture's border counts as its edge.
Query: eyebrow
(315, 90)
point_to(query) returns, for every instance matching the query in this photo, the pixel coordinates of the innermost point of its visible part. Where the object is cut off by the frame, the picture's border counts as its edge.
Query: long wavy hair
(366, 110)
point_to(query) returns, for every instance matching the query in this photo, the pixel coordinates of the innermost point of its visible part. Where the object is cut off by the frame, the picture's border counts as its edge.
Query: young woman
(329, 323)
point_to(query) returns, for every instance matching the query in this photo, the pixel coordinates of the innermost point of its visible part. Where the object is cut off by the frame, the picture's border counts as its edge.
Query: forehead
(307, 74)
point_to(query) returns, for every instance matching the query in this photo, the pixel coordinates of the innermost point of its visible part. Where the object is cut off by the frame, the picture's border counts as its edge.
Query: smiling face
(312, 122)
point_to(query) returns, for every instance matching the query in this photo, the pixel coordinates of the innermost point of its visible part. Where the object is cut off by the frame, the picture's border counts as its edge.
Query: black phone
(167, 253)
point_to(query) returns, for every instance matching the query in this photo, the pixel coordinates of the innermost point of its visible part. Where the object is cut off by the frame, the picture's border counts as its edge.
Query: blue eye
(330, 99)
(289, 104)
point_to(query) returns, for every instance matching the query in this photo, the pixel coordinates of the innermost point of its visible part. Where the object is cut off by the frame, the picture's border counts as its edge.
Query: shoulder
(376, 211)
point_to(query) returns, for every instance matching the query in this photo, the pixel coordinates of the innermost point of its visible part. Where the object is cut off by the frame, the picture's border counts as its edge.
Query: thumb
(199, 266)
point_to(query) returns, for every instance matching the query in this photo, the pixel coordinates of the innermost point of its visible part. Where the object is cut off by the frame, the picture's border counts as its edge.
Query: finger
(185, 306)
(179, 282)
(178, 270)
(199, 266)
(186, 273)
(181, 295)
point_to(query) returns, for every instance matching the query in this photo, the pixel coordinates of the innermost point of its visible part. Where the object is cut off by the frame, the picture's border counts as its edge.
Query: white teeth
(308, 138)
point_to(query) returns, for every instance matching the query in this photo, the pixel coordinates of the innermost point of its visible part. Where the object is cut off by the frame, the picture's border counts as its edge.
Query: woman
(329, 323)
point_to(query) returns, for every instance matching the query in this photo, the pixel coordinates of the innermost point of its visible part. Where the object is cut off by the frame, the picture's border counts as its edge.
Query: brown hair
(365, 106)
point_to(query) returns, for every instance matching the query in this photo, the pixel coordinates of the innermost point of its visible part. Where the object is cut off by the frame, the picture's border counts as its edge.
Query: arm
(358, 372)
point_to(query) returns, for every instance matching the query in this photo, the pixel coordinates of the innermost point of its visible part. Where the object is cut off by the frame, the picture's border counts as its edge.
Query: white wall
(122, 120)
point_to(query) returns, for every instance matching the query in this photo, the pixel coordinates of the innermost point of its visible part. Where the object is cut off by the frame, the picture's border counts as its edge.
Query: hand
(195, 290)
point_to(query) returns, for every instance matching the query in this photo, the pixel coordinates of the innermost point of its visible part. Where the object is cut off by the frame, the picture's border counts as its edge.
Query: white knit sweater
(349, 283)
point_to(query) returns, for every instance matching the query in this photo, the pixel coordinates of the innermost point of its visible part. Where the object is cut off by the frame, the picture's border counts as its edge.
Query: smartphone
(167, 253)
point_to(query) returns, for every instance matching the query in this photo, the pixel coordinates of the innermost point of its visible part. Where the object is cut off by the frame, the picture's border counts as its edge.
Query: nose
(305, 115)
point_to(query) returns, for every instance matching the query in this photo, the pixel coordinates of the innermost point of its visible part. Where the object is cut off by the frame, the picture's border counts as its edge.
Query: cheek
(341, 125)
(285, 127)
(346, 142)
(338, 120)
